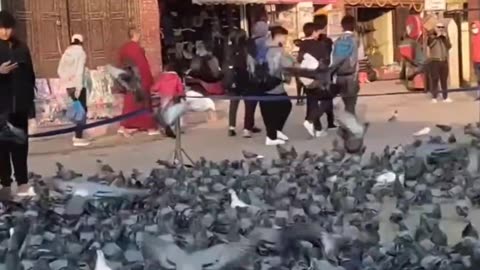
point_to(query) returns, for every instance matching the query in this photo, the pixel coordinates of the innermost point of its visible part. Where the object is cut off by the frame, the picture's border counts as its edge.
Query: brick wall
(150, 27)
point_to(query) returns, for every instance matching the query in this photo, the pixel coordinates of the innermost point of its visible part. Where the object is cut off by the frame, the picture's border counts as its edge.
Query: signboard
(334, 27)
(435, 5)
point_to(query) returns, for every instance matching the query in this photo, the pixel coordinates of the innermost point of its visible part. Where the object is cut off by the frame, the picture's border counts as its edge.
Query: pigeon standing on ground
(394, 116)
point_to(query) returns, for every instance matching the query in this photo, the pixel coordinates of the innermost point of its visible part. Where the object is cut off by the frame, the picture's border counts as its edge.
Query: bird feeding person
(439, 45)
(275, 111)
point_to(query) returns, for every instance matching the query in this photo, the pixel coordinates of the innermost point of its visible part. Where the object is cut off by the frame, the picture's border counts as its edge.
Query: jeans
(316, 110)
(249, 118)
(349, 88)
(83, 100)
(275, 114)
(15, 154)
(439, 74)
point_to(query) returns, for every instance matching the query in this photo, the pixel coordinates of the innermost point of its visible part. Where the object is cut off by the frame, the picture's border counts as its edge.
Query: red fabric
(475, 44)
(215, 88)
(168, 85)
(132, 51)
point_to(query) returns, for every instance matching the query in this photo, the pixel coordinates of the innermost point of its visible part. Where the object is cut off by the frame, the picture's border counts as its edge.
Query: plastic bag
(199, 104)
(76, 113)
(309, 62)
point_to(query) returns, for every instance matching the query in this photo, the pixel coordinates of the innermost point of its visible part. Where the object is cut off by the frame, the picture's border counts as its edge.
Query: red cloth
(475, 43)
(132, 51)
(168, 85)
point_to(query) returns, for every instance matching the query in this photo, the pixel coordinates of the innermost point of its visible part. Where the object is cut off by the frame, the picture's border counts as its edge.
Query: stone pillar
(150, 27)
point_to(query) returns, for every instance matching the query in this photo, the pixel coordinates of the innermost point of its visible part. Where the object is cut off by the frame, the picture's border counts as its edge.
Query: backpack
(345, 47)
(261, 80)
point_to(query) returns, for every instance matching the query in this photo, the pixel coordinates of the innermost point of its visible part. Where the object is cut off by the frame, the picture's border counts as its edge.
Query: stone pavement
(209, 139)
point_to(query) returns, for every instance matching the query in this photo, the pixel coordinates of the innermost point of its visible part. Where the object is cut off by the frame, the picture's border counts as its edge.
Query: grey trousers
(349, 88)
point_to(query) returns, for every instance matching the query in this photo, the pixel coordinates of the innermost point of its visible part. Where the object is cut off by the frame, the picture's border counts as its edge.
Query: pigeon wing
(168, 254)
(219, 256)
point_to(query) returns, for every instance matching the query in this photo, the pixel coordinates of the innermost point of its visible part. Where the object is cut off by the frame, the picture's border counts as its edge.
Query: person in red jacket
(169, 87)
(475, 27)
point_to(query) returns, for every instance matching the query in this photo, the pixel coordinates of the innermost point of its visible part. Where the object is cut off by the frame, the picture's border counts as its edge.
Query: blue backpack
(344, 49)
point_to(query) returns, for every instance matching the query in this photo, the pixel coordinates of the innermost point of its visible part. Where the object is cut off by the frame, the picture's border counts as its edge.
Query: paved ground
(210, 140)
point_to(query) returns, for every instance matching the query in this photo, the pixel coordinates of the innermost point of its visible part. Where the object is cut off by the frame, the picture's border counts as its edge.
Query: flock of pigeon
(318, 211)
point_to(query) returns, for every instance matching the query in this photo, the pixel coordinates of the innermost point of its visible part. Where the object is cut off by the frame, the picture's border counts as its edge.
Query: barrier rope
(137, 113)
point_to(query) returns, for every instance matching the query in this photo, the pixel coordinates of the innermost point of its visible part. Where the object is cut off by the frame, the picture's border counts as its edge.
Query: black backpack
(261, 80)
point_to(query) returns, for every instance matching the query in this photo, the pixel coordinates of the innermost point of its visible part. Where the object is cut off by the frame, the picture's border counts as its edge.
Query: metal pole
(178, 157)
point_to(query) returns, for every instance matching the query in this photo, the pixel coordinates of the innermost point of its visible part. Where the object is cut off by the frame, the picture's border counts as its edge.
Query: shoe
(232, 132)
(309, 127)
(80, 142)
(153, 132)
(6, 194)
(332, 127)
(270, 142)
(256, 130)
(169, 132)
(320, 133)
(25, 190)
(282, 136)
(12, 134)
(434, 100)
(247, 133)
(447, 100)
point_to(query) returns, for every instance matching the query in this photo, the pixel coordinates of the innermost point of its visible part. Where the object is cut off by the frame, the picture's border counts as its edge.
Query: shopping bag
(198, 104)
(76, 113)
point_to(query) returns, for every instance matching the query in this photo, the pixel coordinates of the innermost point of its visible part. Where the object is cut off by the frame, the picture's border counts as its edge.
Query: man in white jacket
(71, 71)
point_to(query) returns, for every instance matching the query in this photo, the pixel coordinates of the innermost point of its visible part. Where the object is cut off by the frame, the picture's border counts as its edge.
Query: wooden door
(104, 25)
(43, 25)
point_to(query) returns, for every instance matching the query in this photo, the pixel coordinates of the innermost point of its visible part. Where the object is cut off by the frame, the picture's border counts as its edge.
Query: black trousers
(15, 155)
(83, 100)
(438, 74)
(300, 90)
(275, 114)
(249, 118)
(349, 88)
(316, 107)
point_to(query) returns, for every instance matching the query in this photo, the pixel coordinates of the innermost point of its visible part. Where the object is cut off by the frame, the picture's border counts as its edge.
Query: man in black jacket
(17, 82)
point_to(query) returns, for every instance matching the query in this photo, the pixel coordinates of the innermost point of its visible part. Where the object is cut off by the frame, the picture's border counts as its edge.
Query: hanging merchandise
(100, 98)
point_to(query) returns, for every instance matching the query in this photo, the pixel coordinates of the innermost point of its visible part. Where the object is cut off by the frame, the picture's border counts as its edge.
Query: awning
(228, 2)
(245, 2)
(412, 4)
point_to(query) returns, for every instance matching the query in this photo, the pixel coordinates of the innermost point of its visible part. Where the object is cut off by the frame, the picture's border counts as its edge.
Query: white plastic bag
(199, 104)
(308, 62)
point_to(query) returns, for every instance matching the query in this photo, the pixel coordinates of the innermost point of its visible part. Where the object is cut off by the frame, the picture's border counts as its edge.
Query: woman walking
(71, 71)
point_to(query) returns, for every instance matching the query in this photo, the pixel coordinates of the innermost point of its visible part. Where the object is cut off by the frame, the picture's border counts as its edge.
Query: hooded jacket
(71, 68)
(476, 42)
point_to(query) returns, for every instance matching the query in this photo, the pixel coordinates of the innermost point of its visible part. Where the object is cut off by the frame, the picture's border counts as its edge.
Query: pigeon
(250, 155)
(462, 207)
(101, 263)
(394, 116)
(422, 132)
(444, 128)
(128, 79)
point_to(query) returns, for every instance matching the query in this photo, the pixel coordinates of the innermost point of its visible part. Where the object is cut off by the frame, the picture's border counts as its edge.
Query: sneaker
(256, 130)
(232, 132)
(12, 134)
(6, 194)
(282, 136)
(25, 190)
(434, 100)
(80, 142)
(153, 132)
(270, 142)
(332, 127)
(309, 127)
(247, 133)
(320, 133)
(447, 100)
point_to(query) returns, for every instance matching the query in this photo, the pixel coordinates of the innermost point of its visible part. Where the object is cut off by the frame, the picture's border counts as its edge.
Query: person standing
(237, 71)
(439, 45)
(475, 28)
(21, 84)
(345, 60)
(132, 53)
(275, 112)
(71, 71)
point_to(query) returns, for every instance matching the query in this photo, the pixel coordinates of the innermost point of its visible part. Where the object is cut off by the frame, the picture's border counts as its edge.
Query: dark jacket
(320, 49)
(6, 89)
(23, 79)
(439, 46)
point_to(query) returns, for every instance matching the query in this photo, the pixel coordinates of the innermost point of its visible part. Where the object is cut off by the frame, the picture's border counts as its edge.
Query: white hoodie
(71, 68)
